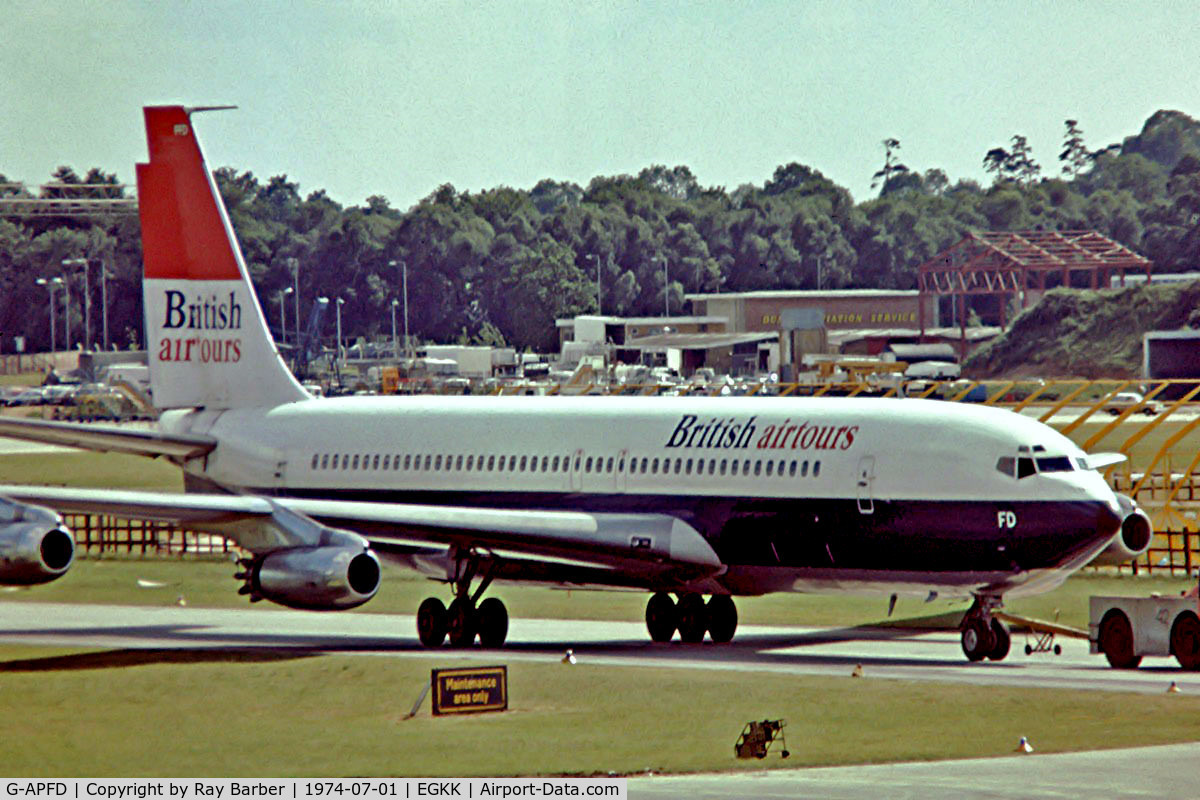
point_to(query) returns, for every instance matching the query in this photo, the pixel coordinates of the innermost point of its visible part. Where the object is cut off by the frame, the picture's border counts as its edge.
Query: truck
(1126, 628)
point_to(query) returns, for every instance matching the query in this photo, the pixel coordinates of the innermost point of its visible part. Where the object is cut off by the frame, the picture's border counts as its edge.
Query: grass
(228, 713)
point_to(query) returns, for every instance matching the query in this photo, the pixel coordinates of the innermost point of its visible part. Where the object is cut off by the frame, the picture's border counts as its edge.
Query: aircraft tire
(1000, 649)
(491, 619)
(1116, 641)
(460, 623)
(693, 621)
(1185, 642)
(977, 639)
(722, 617)
(431, 622)
(661, 617)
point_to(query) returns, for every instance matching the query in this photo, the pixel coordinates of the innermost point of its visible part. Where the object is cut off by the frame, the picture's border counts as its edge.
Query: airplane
(689, 496)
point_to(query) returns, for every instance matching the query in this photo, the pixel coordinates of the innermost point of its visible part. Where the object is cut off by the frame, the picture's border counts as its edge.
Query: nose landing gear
(984, 636)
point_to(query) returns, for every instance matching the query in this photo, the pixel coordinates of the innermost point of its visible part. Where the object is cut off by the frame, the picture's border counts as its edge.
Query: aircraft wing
(107, 438)
(640, 544)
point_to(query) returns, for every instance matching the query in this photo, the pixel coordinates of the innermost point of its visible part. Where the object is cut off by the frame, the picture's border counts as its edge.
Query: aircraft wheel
(460, 623)
(492, 620)
(977, 639)
(693, 622)
(1185, 642)
(431, 622)
(1116, 641)
(661, 617)
(1003, 641)
(722, 617)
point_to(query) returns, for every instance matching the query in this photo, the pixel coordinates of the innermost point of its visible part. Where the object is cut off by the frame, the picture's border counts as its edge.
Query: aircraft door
(866, 485)
(622, 469)
(577, 470)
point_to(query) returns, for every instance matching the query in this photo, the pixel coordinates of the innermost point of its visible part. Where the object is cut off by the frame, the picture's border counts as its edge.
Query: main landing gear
(692, 617)
(466, 617)
(984, 636)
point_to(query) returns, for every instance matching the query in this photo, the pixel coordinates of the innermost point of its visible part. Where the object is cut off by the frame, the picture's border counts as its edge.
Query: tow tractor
(1126, 628)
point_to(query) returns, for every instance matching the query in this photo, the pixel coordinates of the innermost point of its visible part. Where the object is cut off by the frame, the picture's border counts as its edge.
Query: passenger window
(470, 463)
(437, 463)
(608, 465)
(770, 464)
(325, 461)
(458, 463)
(654, 466)
(396, 461)
(408, 461)
(746, 467)
(816, 468)
(491, 463)
(387, 461)
(354, 463)
(679, 465)
(792, 470)
(803, 469)
(554, 465)
(375, 462)
(428, 461)
(1006, 465)
(1025, 467)
(689, 466)
(588, 464)
(523, 458)
(621, 464)
(546, 463)
(645, 463)
(733, 466)
(577, 461)
(500, 464)
(316, 459)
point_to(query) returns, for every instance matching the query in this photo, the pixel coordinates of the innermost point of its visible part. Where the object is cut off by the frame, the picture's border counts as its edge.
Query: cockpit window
(1006, 464)
(1025, 467)
(1054, 464)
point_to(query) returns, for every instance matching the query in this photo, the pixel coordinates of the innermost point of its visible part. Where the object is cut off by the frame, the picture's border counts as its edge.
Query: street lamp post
(283, 315)
(51, 285)
(395, 346)
(337, 356)
(404, 291)
(66, 283)
(295, 265)
(104, 276)
(599, 286)
(666, 286)
(87, 296)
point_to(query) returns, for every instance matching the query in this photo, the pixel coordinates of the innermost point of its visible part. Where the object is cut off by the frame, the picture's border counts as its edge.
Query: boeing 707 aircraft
(681, 498)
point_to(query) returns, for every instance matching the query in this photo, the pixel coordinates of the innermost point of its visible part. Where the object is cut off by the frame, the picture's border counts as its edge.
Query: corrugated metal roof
(696, 341)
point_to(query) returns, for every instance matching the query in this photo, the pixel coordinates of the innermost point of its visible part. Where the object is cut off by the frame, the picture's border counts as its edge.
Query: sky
(398, 98)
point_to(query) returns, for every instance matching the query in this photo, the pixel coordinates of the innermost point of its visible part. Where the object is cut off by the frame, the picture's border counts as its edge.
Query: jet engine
(328, 578)
(1132, 540)
(35, 546)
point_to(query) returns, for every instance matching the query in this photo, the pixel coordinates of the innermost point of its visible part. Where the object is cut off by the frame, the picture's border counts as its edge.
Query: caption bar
(294, 788)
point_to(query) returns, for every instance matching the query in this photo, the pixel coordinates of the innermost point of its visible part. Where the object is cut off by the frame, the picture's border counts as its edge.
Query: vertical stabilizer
(207, 339)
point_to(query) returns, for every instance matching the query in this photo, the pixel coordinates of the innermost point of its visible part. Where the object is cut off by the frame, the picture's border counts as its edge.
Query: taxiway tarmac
(1160, 772)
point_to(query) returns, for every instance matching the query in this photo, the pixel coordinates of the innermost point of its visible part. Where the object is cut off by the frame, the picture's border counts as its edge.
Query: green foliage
(500, 264)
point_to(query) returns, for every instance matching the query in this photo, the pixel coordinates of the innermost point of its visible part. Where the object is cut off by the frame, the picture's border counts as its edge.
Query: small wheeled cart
(757, 737)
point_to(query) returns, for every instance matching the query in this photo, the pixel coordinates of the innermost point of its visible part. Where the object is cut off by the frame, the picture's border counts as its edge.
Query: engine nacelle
(1132, 540)
(317, 578)
(35, 546)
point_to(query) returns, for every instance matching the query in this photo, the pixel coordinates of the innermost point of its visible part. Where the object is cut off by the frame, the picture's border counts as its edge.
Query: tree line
(500, 265)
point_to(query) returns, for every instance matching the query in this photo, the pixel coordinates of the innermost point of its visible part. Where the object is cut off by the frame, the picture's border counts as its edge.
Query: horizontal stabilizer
(107, 439)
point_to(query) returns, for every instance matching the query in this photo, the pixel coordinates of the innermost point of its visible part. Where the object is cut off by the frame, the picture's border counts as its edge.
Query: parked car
(1123, 400)
(32, 396)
